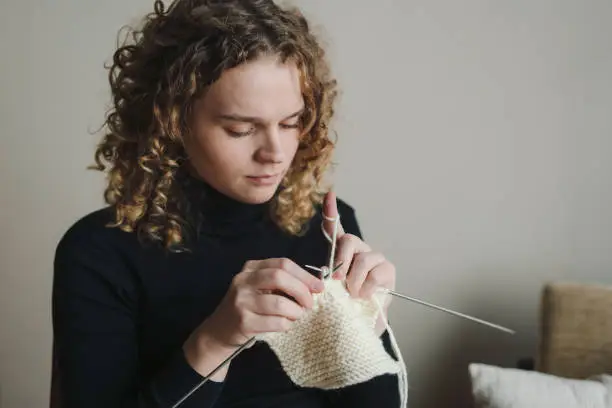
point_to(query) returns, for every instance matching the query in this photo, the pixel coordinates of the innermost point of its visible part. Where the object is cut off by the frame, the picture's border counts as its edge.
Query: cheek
(229, 154)
(290, 145)
(216, 152)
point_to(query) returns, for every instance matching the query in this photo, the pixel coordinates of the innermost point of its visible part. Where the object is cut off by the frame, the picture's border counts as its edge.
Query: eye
(290, 125)
(237, 133)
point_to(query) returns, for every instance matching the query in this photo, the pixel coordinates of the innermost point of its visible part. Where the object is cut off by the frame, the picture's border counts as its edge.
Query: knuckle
(285, 263)
(360, 258)
(276, 275)
(346, 239)
(352, 238)
(277, 303)
(377, 276)
(238, 279)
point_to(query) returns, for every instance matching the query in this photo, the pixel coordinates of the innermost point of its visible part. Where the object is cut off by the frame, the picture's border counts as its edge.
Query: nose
(271, 148)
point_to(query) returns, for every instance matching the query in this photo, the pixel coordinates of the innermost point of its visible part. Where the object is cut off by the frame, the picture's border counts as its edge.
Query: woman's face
(245, 129)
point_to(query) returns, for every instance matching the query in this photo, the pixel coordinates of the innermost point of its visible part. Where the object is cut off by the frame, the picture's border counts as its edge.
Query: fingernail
(318, 286)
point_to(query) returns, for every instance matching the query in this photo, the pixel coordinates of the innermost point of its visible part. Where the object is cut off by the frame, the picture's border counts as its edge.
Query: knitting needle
(322, 271)
(235, 353)
(213, 372)
(452, 312)
(421, 302)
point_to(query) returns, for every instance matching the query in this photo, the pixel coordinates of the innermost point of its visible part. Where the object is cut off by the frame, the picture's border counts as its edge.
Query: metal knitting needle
(452, 312)
(213, 372)
(323, 271)
(234, 354)
(422, 302)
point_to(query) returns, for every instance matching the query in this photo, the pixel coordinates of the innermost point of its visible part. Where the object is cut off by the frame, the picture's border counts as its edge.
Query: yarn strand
(403, 374)
(326, 273)
(332, 240)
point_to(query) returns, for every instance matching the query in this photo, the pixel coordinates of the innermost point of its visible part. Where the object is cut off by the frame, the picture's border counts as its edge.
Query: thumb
(330, 215)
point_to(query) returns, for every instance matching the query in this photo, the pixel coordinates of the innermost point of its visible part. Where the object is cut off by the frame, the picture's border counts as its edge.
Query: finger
(268, 324)
(308, 279)
(276, 305)
(330, 215)
(381, 276)
(252, 265)
(347, 247)
(362, 264)
(279, 280)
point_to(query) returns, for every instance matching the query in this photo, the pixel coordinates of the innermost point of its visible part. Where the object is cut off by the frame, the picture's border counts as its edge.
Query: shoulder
(91, 245)
(95, 262)
(90, 228)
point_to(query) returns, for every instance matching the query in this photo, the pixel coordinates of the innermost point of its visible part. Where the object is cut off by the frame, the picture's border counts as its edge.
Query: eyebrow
(252, 119)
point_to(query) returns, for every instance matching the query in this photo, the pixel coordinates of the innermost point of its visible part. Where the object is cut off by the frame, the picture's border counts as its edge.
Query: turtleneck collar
(218, 214)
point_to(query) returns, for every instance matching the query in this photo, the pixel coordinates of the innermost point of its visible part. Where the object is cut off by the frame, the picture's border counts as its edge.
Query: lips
(264, 179)
(264, 176)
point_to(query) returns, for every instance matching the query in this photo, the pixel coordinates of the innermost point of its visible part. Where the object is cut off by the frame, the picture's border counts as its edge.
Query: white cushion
(497, 387)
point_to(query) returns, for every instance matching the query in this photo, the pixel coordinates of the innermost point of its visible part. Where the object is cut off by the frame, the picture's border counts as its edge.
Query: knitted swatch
(335, 344)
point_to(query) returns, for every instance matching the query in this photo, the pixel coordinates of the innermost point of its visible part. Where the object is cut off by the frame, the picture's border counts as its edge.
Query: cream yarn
(335, 345)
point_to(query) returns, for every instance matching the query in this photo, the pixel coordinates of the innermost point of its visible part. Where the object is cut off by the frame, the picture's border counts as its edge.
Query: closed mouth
(263, 176)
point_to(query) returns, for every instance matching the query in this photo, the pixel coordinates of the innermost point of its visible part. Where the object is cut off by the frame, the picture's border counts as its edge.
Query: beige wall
(474, 144)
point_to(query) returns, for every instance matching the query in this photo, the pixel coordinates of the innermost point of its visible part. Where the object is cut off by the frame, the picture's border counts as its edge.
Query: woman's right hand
(266, 296)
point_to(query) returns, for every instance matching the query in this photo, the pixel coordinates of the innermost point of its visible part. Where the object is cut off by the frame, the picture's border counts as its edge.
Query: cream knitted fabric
(335, 344)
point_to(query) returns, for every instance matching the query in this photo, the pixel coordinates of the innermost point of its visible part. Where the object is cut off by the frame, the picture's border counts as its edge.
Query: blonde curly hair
(163, 68)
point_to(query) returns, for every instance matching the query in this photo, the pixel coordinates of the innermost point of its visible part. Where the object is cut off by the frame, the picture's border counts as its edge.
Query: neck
(218, 214)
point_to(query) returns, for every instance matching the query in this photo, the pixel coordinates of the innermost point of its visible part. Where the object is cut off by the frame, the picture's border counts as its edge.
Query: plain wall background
(474, 142)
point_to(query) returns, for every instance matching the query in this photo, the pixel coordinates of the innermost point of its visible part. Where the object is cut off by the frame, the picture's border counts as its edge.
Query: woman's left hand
(365, 270)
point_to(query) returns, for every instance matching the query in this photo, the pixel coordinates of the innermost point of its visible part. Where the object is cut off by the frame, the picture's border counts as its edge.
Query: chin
(257, 195)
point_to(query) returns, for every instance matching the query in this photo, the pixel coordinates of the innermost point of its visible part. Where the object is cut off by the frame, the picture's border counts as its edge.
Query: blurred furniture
(573, 366)
(575, 330)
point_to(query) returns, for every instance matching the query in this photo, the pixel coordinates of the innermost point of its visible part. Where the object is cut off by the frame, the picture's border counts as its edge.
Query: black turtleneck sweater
(122, 311)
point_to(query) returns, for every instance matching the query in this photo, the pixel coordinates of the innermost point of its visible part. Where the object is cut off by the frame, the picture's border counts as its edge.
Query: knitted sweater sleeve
(95, 320)
(381, 391)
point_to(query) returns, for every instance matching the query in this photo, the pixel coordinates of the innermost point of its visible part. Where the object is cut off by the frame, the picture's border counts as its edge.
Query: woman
(217, 145)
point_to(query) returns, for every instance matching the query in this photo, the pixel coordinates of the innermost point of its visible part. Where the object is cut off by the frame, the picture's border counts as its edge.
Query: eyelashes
(252, 130)
(233, 133)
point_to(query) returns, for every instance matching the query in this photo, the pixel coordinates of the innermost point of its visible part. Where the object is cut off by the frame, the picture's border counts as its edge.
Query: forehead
(265, 88)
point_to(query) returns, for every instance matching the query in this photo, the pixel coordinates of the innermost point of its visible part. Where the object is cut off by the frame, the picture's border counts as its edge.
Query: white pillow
(497, 387)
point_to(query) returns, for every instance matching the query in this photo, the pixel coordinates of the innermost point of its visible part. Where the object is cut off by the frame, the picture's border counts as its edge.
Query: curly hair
(163, 68)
